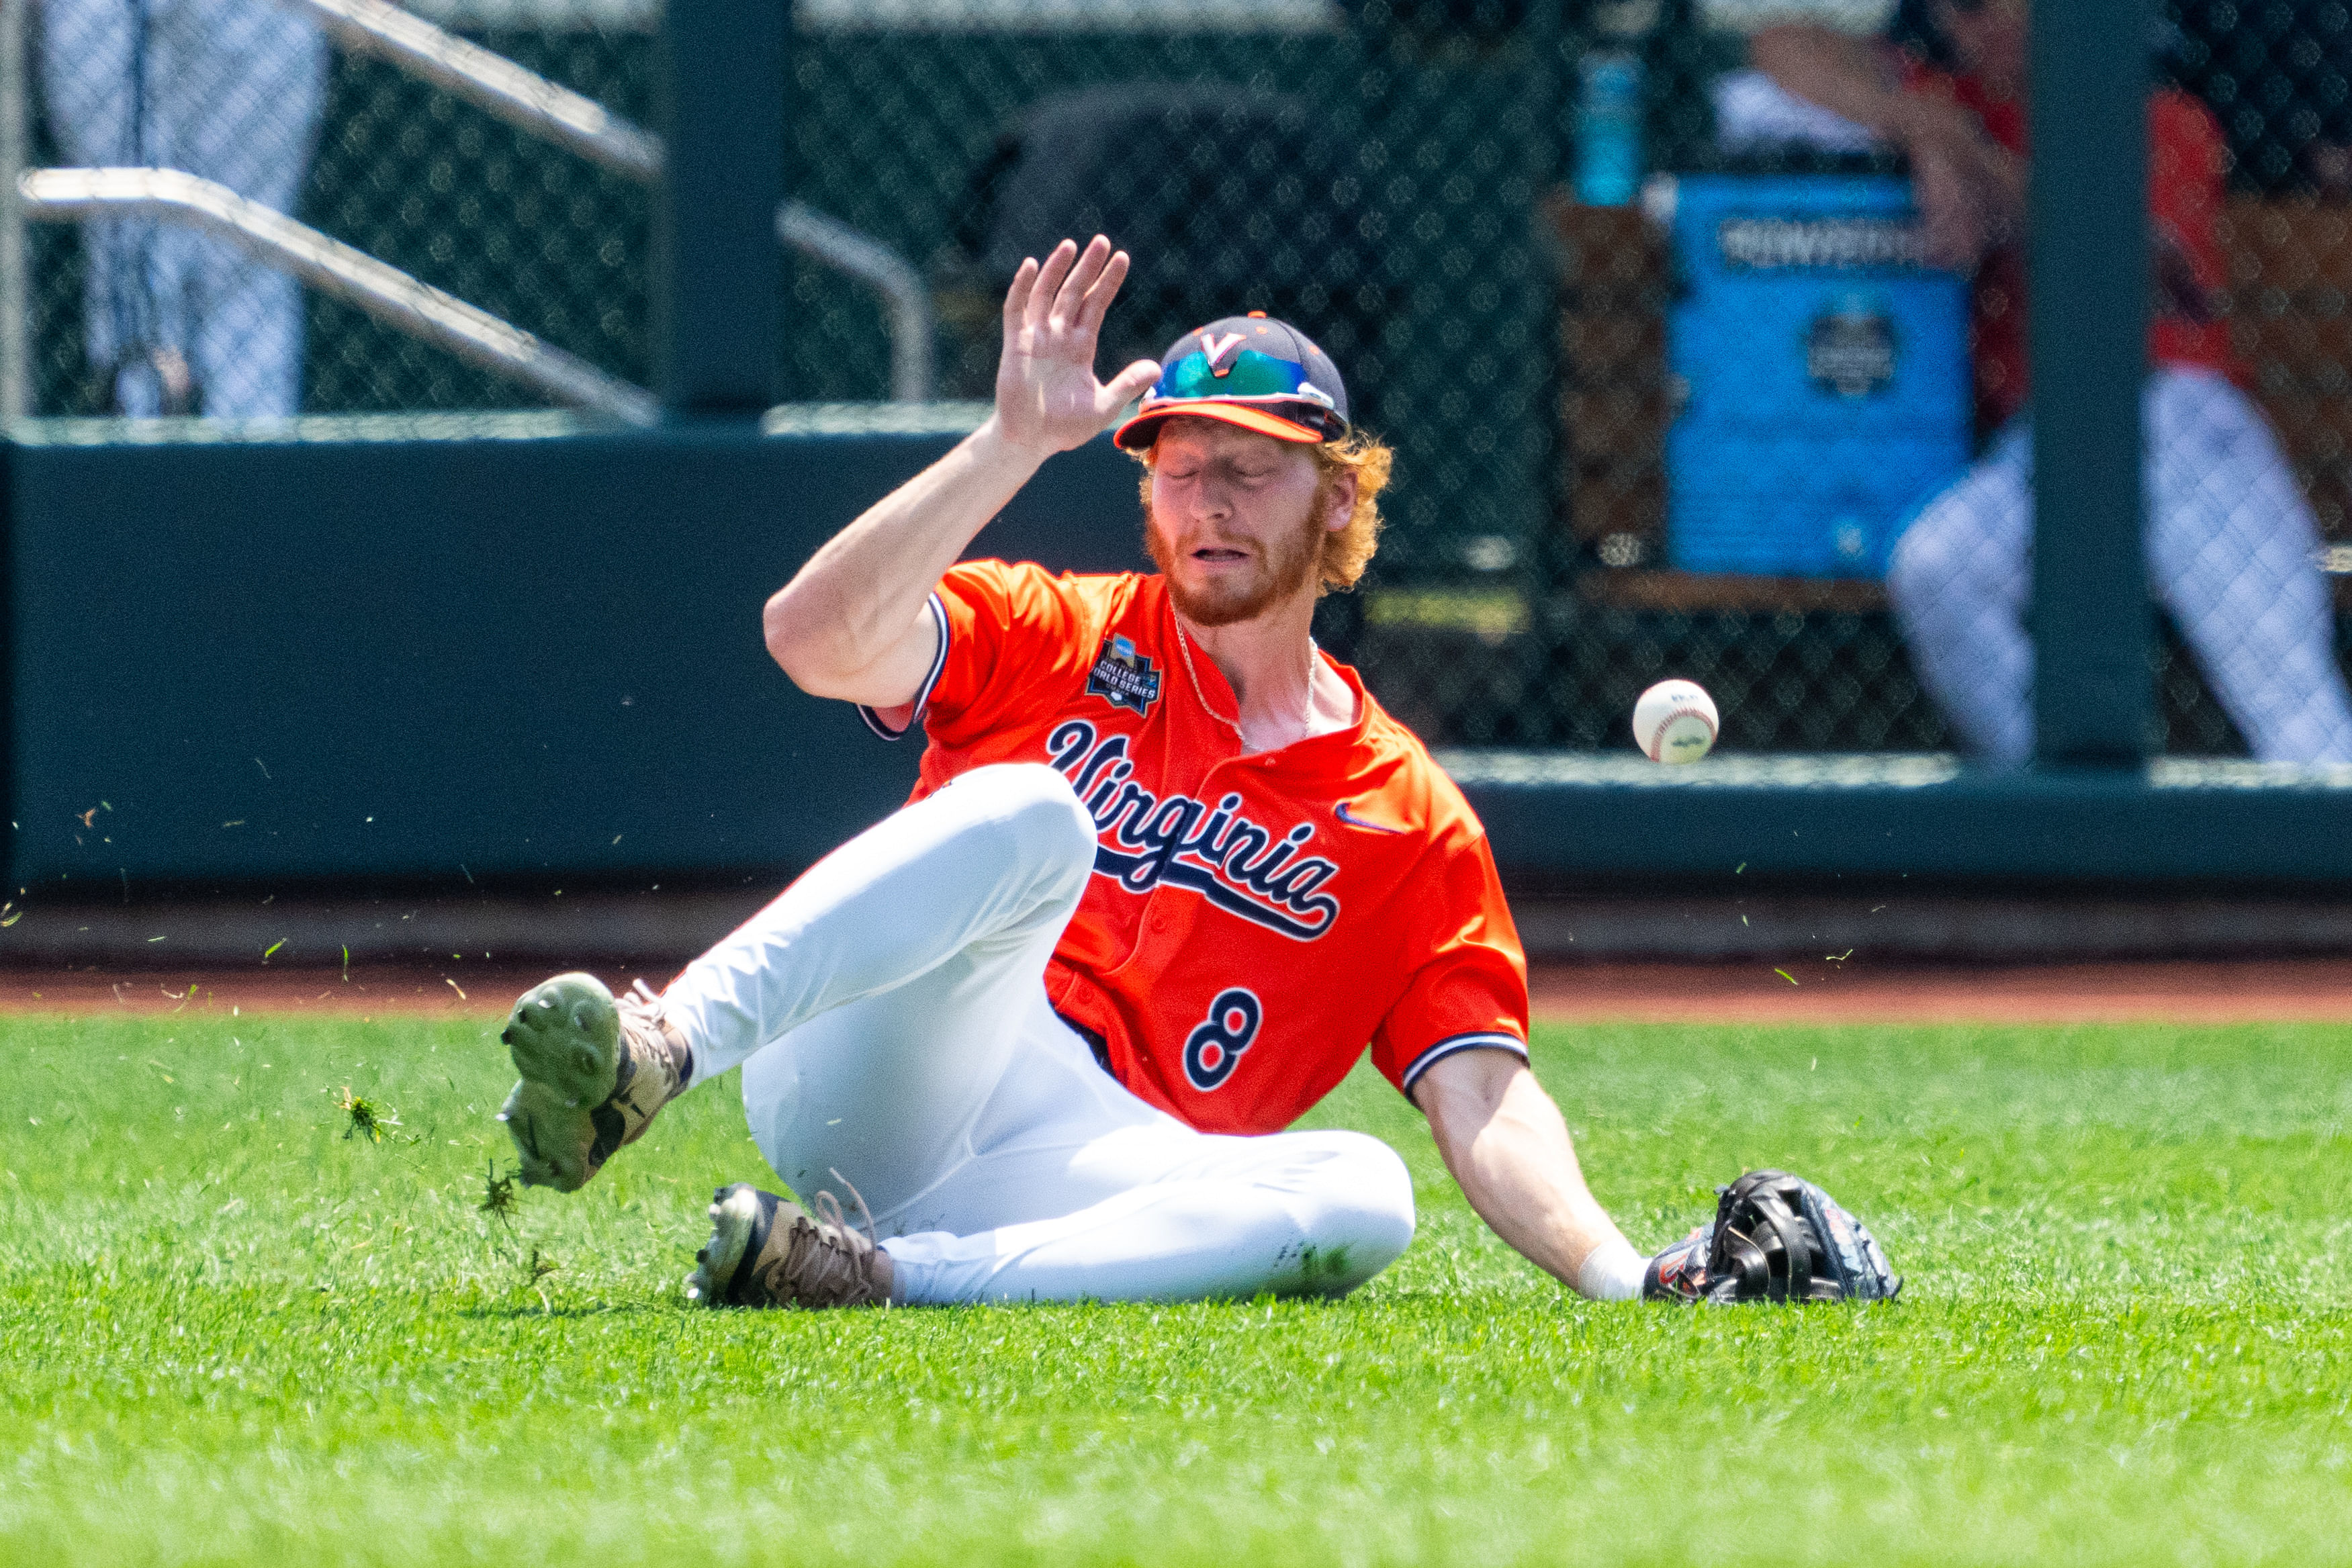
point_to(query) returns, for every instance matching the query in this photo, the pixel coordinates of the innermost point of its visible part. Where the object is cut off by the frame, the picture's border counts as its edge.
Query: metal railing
(332, 267)
(890, 275)
(489, 81)
(15, 328)
(520, 97)
(531, 103)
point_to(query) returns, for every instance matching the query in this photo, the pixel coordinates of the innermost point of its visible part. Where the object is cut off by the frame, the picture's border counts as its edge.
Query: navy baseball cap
(1250, 371)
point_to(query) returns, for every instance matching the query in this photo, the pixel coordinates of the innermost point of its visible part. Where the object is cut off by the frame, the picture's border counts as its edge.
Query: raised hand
(1954, 221)
(1046, 395)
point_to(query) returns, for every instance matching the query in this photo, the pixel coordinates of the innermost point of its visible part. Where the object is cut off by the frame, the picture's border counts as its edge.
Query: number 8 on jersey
(1214, 1049)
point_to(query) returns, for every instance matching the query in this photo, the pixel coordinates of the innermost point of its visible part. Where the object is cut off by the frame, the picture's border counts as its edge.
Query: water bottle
(1608, 130)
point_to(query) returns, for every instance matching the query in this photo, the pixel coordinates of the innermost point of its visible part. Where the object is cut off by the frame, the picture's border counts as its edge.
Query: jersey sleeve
(1004, 628)
(1469, 989)
(2187, 163)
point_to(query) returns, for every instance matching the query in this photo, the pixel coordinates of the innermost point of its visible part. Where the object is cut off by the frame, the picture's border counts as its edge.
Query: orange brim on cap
(1144, 429)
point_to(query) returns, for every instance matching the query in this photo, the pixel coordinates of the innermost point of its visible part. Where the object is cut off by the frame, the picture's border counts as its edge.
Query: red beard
(1289, 563)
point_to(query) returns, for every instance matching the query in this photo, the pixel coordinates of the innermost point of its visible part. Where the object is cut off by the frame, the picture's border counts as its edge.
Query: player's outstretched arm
(1849, 77)
(1506, 1143)
(1970, 191)
(851, 623)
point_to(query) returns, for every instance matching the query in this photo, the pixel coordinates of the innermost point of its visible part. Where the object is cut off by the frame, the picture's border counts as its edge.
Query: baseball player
(1168, 869)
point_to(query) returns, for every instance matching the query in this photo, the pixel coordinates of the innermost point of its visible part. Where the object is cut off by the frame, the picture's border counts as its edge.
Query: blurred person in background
(2231, 543)
(2279, 75)
(229, 90)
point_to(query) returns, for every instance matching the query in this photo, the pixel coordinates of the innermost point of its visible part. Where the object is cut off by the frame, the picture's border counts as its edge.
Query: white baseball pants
(889, 1011)
(2231, 550)
(227, 90)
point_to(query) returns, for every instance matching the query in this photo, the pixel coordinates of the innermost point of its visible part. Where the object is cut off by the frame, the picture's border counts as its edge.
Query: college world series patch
(1123, 678)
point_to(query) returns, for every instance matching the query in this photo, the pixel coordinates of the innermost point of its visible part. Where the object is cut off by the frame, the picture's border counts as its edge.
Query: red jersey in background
(2185, 169)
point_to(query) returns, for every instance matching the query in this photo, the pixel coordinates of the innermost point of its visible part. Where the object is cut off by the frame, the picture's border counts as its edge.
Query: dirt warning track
(1823, 990)
(1851, 991)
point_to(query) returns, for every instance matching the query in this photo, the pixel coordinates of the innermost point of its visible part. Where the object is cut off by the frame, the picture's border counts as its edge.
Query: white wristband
(1612, 1272)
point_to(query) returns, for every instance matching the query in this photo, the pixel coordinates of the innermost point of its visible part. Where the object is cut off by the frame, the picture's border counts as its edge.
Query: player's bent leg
(2233, 547)
(973, 883)
(1002, 1164)
(1958, 580)
(1296, 1213)
(595, 1070)
(1293, 1214)
(987, 866)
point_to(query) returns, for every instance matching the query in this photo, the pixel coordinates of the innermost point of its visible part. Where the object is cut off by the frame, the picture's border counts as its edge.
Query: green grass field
(230, 1333)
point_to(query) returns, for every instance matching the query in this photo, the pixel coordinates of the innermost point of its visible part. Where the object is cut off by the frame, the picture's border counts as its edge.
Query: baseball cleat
(594, 1071)
(1679, 1273)
(765, 1252)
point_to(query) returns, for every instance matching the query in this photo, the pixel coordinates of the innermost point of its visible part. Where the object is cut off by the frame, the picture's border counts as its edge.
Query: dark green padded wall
(397, 659)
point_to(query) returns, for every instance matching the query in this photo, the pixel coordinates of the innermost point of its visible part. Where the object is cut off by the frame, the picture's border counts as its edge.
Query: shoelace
(829, 1270)
(641, 1003)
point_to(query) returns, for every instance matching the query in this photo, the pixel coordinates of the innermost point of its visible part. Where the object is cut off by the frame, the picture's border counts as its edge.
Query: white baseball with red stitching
(1676, 721)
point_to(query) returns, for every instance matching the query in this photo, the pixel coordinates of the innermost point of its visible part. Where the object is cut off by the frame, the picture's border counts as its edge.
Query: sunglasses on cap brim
(1245, 374)
(1295, 421)
(1256, 382)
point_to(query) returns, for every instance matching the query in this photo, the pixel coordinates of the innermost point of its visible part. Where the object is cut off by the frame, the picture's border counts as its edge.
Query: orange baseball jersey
(1253, 922)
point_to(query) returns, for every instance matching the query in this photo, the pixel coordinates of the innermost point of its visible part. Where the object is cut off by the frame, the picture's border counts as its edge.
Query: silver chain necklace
(1305, 718)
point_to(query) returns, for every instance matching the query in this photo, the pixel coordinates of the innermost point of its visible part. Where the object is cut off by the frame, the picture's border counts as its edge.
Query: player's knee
(1037, 807)
(2185, 407)
(1919, 551)
(1054, 818)
(1050, 837)
(1932, 556)
(1362, 1219)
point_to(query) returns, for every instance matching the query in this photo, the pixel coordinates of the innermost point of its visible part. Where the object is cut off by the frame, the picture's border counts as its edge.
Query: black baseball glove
(1774, 1237)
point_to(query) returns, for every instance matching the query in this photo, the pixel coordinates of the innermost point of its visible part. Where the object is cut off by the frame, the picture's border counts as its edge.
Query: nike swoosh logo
(1341, 811)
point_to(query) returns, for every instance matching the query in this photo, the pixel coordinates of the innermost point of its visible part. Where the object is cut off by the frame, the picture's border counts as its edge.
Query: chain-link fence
(147, 317)
(2244, 479)
(1797, 380)
(1679, 433)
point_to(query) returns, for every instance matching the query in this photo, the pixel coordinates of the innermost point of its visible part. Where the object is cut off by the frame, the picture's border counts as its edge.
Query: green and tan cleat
(765, 1252)
(594, 1071)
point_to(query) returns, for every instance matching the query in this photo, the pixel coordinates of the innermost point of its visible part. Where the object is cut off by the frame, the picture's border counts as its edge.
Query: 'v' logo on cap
(1216, 348)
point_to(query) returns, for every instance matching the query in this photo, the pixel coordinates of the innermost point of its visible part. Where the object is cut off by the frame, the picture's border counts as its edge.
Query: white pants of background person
(2231, 550)
(889, 1011)
(226, 90)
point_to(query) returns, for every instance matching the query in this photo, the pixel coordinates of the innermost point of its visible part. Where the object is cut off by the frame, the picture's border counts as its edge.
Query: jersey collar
(1217, 692)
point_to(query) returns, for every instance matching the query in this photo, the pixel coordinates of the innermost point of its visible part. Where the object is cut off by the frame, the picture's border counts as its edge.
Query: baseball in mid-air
(1675, 721)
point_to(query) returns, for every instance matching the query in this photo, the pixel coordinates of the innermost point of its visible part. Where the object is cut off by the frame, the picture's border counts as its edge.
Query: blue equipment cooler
(1825, 373)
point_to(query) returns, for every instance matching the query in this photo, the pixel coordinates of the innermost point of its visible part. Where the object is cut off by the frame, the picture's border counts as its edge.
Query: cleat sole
(734, 1221)
(564, 1035)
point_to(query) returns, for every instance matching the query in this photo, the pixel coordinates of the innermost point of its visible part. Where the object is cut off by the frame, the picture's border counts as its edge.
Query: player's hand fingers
(1069, 301)
(1097, 303)
(1016, 299)
(1059, 261)
(1131, 383)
